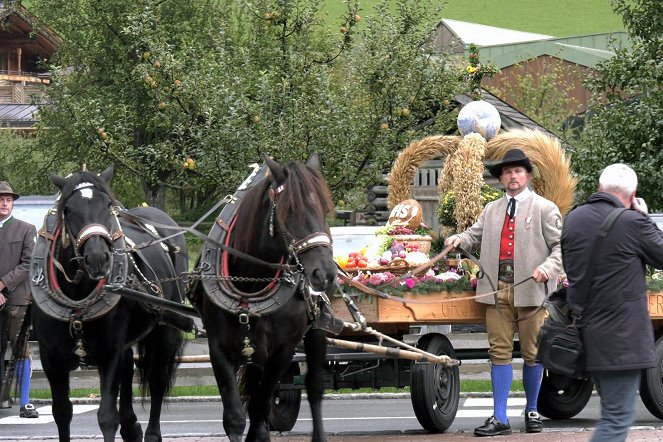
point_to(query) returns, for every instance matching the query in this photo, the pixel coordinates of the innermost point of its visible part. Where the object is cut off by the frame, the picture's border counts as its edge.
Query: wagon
(435, 390)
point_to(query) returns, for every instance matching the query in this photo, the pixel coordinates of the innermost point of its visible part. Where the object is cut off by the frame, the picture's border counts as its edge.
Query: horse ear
(107, 175)
(277, 170)
(57, 180)
(313, 161)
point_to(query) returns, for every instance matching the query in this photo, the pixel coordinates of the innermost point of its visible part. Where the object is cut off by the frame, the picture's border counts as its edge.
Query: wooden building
(518, 53)
(24, 45)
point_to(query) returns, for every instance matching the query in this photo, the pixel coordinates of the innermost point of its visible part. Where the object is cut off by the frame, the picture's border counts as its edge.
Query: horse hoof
(133, 434)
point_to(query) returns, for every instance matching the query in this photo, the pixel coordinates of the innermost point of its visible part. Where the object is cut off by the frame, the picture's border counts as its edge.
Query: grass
(211, 390)
(560, 18)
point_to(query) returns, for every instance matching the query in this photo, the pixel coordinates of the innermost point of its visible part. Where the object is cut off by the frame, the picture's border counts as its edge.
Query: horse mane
(302, 183)
(84, 177)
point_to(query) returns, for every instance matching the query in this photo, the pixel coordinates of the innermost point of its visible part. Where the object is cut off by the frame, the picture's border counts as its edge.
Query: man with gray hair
(617, 331)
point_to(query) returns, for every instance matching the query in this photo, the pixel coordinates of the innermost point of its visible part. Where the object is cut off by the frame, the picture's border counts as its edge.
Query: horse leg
(109, 376)
(234, 420)
(158, 354)
(259, 403)
(58, 379)
(130, 429)
(315, 347)
(262, 383)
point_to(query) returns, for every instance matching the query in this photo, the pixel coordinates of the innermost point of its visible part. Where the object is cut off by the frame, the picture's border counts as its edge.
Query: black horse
(88, 244)
(257, 306)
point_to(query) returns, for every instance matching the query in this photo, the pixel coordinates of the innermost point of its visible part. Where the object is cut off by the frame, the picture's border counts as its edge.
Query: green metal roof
(585, 50)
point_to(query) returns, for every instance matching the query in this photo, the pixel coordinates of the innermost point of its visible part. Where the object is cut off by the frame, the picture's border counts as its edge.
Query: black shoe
(533, 422)
(28, 410)
(493, 427)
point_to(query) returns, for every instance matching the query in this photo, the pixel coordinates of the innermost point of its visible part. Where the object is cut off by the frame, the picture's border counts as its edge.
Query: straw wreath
(463, 169)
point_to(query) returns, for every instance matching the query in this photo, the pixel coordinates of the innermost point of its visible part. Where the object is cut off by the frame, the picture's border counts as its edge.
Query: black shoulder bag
(560, 345)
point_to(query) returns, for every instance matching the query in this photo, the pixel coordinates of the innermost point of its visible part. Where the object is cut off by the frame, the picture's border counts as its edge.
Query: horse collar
(46, 291)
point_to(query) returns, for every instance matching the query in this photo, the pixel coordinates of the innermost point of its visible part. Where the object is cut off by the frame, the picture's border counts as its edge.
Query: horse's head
(85, 208)
(301, 200)
(284, 218)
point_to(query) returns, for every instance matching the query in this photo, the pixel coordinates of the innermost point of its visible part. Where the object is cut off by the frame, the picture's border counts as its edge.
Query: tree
(627, 125)
(545, 94)
(184, 95)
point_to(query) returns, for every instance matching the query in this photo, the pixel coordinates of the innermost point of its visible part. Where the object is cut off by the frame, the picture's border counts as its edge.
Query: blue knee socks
(24, 372)
(501, 377)
(532, 383)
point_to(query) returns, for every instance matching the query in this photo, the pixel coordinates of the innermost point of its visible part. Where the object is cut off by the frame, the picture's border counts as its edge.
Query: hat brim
(496, 169)
(15, 196)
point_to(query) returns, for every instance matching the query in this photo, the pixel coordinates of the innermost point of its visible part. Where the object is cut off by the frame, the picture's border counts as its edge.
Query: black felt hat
(514, 157)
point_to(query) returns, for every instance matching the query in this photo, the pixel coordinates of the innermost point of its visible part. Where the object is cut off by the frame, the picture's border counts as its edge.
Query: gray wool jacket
(17, 241)
(537, 244)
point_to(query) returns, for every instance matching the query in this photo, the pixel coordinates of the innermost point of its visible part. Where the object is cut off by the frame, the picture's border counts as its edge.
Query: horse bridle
(89, 231)
(294, 245)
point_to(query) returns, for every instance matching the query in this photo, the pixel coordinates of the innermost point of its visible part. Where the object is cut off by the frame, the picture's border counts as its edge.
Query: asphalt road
(345, 419)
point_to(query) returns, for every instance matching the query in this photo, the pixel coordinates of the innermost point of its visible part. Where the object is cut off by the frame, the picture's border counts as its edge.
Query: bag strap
(578, 302)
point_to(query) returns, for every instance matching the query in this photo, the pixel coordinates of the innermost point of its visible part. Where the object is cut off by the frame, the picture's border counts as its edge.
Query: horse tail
(159, 354)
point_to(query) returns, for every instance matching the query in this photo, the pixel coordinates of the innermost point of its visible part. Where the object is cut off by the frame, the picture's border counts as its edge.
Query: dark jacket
(17, 240)
(617, 329)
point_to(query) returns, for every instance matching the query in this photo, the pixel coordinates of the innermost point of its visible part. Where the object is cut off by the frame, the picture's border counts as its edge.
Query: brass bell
(80, 351)
(248, 350)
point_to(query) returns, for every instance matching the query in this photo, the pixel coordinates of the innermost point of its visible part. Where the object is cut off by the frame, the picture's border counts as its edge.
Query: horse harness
(289, 277)
(47, 292)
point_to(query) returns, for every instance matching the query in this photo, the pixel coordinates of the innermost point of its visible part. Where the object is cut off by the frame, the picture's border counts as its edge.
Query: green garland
(447, 206)
(421, 288)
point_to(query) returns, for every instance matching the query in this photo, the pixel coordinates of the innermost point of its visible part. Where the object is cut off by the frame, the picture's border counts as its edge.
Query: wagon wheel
(561, 397)
(435, 389)
(651, 383)
(286, 402)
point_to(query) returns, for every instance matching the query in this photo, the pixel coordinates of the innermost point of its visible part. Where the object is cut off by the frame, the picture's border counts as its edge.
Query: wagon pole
(418, 355)
(417, 351)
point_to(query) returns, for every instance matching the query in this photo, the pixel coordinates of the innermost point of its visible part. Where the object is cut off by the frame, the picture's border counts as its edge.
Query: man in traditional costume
(519, 239)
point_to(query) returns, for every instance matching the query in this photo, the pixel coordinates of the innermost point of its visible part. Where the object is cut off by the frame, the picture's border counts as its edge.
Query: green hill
(560, 18)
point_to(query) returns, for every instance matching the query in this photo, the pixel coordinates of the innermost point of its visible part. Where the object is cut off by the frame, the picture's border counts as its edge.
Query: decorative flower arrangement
(456, 279)
(447, 207)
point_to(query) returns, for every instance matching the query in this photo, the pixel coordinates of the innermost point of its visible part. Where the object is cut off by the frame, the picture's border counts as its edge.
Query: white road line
(488, 402)
(45, 415)
(487, 413)
(483, 407)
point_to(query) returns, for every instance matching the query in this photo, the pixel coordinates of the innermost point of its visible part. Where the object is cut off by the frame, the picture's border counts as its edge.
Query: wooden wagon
(435, 390)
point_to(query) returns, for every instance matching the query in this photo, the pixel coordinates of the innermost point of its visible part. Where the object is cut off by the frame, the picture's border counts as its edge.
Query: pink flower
(410, 283)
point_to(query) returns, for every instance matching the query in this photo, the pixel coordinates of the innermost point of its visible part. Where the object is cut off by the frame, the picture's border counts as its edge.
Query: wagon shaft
(419, 356)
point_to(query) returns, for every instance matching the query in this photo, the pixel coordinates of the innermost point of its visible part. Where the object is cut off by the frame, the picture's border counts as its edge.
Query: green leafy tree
(627, 126)
(185, 95)
(545, 97)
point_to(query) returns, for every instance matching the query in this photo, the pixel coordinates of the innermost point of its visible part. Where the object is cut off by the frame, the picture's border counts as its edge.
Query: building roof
(17, 115)
(506, 47)
(18, 27)
(484, 35)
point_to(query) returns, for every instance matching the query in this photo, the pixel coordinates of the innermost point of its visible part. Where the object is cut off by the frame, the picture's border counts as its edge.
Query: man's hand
(539, 275)
(639, 204)
(453, 240)
(2, 299)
